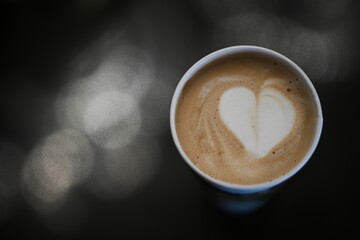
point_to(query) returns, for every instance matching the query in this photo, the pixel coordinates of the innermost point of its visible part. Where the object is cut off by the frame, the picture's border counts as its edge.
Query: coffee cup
(245, 119)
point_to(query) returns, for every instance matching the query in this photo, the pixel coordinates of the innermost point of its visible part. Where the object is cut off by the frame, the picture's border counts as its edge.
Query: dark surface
(48, 46)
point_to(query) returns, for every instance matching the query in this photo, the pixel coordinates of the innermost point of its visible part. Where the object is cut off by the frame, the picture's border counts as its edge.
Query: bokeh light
(323, 13)
(119, 98)
(252, 28)
(216, 10)
(105, 103)
(323, 54)
(112, 119)
(61, 161)
(93, 81)
(314, 51)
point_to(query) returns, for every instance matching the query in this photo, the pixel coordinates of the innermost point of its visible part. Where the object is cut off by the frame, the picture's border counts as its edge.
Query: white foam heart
(260, 122)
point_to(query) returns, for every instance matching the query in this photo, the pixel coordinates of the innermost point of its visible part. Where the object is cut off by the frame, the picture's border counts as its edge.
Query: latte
(245, 119)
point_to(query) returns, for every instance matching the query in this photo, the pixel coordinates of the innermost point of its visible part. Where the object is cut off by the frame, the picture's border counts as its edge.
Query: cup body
(237, 188)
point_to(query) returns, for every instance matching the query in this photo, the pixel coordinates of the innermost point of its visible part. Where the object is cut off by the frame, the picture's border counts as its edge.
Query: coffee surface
(245, 119)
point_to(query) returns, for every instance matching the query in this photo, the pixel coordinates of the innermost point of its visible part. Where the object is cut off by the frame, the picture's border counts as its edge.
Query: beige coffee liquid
(245, 119)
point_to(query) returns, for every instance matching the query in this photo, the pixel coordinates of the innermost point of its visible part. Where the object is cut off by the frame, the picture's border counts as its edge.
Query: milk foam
(258, 122)
(245, 120)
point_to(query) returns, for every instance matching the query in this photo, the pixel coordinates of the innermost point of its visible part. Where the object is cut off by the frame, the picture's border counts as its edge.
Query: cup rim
(245, 188)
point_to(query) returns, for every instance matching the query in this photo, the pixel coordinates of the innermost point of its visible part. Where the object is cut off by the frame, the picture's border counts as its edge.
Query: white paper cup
(238, 188)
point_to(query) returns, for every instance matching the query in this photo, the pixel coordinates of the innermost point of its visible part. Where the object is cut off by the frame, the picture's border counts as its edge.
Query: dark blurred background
(85, 145)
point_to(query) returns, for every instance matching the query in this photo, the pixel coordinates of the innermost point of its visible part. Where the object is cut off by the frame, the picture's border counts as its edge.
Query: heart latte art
(259, 123)
(245, 119)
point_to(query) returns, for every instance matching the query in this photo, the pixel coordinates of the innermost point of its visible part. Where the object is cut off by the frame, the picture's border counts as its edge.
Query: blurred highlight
(61, 161)
(112, 108)
(105, 102)
(112, 119)
(117, 98)
(323, 54)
